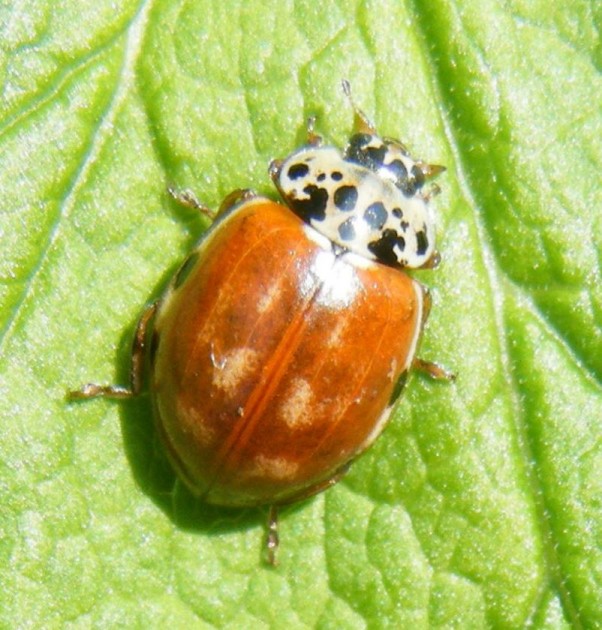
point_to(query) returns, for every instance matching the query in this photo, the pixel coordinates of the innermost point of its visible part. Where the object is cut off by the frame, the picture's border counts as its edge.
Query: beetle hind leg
(272, 541)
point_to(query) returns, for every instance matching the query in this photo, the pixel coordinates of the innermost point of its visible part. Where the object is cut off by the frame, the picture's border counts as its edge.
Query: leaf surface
(481, 504)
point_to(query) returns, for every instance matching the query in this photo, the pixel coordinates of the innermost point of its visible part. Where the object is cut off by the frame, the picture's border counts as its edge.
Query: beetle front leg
(236, 197)
(92, 390)
(188, 199)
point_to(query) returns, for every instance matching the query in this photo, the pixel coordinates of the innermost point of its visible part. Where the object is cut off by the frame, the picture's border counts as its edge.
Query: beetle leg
(139, 348)
(188, 199)
(434, 370)
(433, 262)
(272, 538)
(432, 191)
(319, 487)
(427, 303)
(92, 390)
(240, 195)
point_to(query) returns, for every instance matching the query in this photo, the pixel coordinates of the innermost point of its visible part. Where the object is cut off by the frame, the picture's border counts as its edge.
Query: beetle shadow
(157, 479)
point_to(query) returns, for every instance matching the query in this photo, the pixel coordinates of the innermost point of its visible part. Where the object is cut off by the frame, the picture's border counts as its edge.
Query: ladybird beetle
(277, 351)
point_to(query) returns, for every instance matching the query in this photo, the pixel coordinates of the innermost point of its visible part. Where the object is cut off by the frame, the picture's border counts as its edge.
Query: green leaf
(481, 504)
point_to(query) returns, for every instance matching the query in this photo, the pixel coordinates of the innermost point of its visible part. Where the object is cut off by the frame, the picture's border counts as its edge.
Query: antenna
(361, 122)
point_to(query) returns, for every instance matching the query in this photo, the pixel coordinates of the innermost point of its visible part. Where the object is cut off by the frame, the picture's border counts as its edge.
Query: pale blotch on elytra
(275, 467)
(268, 298)
(335, 333)
(203, 431)
(234, 366)
(296, 410)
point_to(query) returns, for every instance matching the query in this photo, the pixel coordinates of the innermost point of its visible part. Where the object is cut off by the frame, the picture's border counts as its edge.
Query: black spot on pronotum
(398, 387)
(376, 156)
(337, 176)
(397, 213)
(367, 150)
(375, 215)
(355, 150)
(421, 242)
(184, 271)
(298, 170)
(418, 176)
(383, 247)
(321, 177)
(312, 208)
(347, 229)
(345, 198)
(398, 170)
(413, 182)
